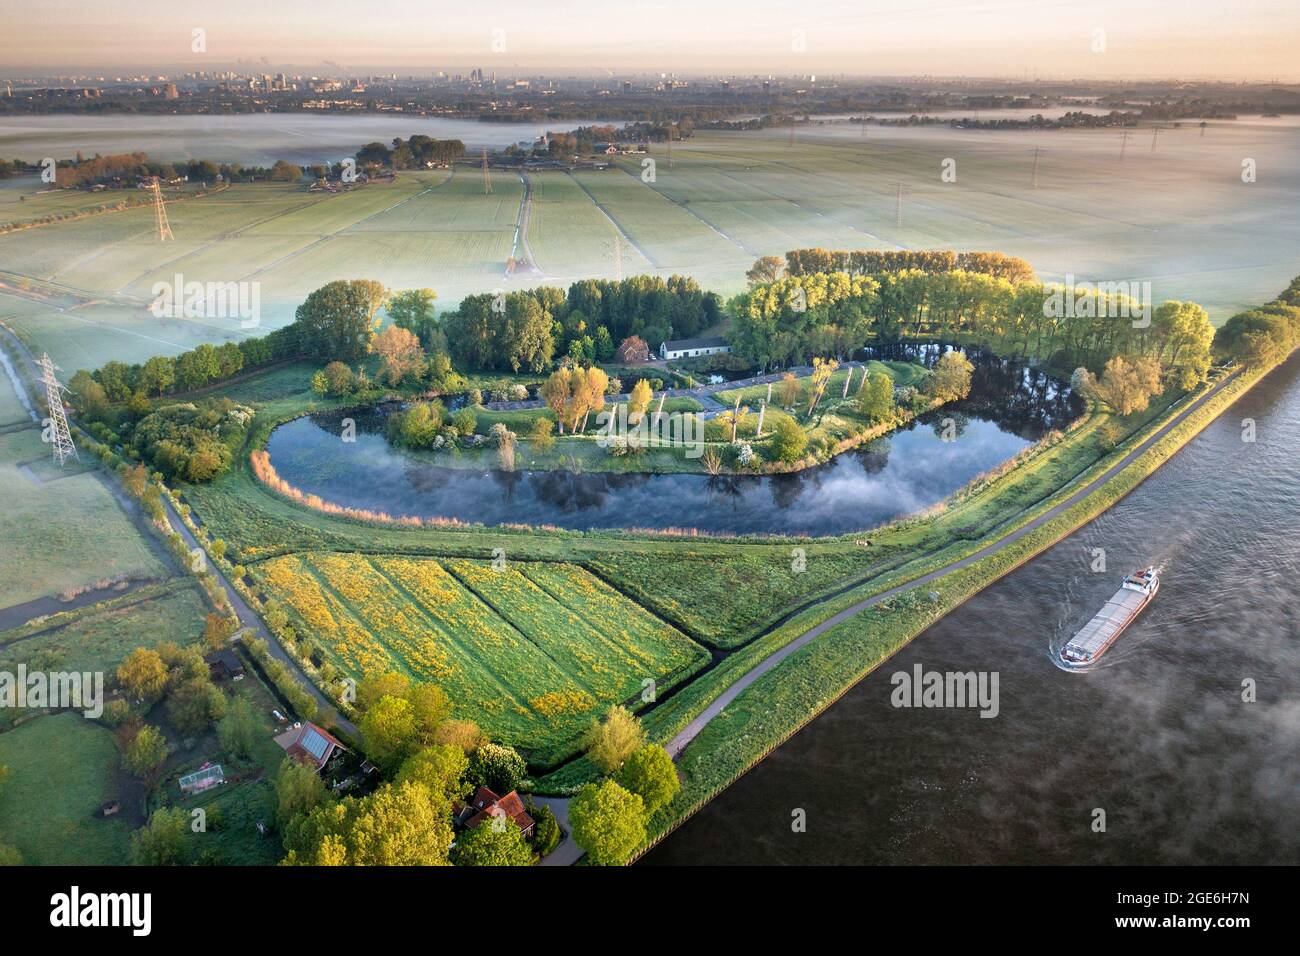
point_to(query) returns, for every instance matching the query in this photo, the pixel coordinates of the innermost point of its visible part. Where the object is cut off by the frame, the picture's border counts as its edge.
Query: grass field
(101, 635)
(726, 199)
(60, 530)
(60, 770)
(534, 653)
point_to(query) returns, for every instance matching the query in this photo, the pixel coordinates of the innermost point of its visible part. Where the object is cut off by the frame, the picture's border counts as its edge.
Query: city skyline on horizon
(1211, 40)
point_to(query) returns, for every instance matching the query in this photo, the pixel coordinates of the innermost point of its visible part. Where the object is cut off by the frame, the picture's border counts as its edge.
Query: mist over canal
(1157, 735)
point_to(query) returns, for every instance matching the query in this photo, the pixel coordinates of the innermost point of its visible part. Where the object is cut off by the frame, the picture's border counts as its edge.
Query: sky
(1221, 39)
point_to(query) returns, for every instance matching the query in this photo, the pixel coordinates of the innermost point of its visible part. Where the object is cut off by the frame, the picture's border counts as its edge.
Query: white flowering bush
(745, 454)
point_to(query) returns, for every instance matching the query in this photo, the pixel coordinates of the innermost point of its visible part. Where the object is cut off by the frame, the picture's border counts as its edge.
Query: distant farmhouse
(690, 348)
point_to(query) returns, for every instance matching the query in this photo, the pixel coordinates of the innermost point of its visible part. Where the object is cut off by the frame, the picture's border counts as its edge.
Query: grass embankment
(794, 692)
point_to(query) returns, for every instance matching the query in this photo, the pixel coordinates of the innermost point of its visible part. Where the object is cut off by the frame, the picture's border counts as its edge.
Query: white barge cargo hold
(1096, 637)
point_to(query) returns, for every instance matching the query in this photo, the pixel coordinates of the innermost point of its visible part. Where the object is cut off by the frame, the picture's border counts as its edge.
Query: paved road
(249, 620)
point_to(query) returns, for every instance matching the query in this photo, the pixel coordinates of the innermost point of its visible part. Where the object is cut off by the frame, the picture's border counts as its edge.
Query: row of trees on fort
(793, 317)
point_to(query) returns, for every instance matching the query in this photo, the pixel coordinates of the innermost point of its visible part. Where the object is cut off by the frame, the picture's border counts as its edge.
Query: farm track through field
(654, 263)
(534, 269)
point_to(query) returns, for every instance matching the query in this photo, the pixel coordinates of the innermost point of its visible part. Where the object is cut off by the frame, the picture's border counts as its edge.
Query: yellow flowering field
(534, 652)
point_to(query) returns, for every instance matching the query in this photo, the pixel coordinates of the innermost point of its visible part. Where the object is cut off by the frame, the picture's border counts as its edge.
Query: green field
(534, 653)
(60, 768)
(61, 529)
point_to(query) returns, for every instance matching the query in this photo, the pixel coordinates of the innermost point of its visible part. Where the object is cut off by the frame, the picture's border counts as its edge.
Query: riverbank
(800, 683)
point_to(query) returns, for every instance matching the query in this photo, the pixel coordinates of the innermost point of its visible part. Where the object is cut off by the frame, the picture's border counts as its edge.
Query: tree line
(531, 330)
(879, 261)
(794, 317)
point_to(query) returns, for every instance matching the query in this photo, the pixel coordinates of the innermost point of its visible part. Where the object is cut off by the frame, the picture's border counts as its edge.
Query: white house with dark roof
(691, 348)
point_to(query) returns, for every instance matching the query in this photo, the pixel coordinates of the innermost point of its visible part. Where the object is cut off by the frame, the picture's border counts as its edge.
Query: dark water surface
(1158, 735)
(1009, 408)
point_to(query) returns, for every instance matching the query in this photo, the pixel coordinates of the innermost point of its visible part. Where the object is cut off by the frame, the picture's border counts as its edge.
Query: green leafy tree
(639, 400)
(299, 789)
(789, 441)
(145, 751)
(337, 320)
(876, 397)
(540, 436)
(497, 767)
(238, 730)
(493, 843)
(158, 374)
(650, 773)
(195, 704)
(614, 739)
(608, 822)
(402, 824)
(430, 706)
(389, 731)
(413, 310)
(440, 767)
(143, 675)
(163, 841)
(465, 421)
(951, 379)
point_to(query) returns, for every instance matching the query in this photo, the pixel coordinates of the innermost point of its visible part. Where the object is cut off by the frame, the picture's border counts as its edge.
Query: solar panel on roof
(314, 743)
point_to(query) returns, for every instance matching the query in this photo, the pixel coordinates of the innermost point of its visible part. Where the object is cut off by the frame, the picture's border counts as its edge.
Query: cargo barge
(1096, 637)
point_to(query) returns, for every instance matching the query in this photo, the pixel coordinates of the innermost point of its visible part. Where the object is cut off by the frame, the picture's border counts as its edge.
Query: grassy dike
(802, 686)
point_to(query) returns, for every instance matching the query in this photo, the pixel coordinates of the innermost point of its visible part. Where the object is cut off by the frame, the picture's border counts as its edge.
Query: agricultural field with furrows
(569, 235)
(668, 234)
(534, 653)
(727, 198)
(86, 538)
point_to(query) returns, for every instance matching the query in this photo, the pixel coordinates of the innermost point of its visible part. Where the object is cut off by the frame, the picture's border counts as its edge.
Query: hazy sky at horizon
(1229, 39)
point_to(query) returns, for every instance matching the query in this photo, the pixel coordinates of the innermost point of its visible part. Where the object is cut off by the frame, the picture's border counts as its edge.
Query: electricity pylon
(487, 177)
(60, 437)
(160, 212)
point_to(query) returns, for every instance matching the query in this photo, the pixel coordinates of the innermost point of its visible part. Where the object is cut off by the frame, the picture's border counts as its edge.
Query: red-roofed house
(311, 745)
(486, 805)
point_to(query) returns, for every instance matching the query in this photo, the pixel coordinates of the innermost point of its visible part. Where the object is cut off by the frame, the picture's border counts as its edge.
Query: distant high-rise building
(170, 92)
